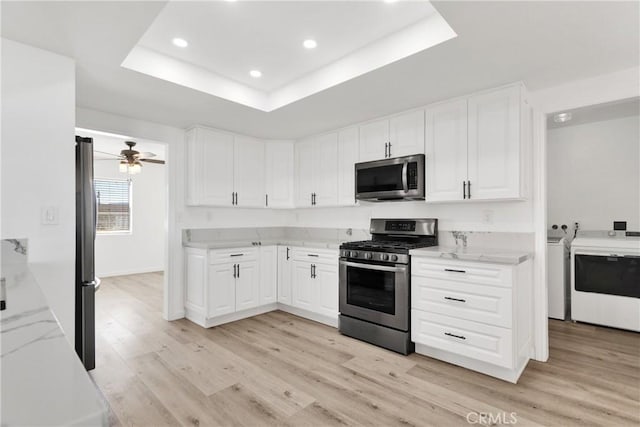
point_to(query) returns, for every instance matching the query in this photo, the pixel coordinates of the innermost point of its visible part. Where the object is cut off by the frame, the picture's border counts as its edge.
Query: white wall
(38, 165)
(143, 249)
(594, 174)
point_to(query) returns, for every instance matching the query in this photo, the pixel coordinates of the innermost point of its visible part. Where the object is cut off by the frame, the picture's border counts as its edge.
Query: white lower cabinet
(224, 285)
(473, 314)
(285, 272)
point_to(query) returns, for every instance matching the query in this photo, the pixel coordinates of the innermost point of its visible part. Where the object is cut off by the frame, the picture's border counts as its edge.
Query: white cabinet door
(347, 158)
(268, 274)
(196, 270)
(302, 293)
(210, 167)
(249, 172)
(494, 144)
(304, 155)
(285, 271)
(247, 285)
(373, 139)
(406, 134)
(279, 174)
(446, 151)
(222, 290)
(325, 284)
(325, 170)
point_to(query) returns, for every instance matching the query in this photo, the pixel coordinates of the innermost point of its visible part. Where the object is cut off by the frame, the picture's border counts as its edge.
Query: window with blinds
(114, 205)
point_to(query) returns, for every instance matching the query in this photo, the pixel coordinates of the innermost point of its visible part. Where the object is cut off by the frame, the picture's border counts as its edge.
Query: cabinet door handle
(238, 270)
(287, 254)
(266, 200)
(236, 255)
(460, 337)
(233, 198)
(464, 189)
(455, 299)
(468, 189)
(386, 146)
(315, 255)
(453, 270)
(389, 148)
(234, 271)
(313, 271)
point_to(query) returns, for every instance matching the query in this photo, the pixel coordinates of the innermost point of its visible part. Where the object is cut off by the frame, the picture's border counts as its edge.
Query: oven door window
(380, 178)
(371, 289)
(612, 275)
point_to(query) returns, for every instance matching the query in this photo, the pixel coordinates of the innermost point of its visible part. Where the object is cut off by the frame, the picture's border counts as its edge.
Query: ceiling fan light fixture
(124, 166)
(135, 168)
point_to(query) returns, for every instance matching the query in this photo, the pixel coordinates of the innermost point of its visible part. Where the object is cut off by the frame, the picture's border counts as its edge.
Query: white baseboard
(321, 318)
(129, 272)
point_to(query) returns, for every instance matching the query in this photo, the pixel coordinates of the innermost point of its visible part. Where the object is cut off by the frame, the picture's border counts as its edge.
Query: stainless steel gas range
(375, 282)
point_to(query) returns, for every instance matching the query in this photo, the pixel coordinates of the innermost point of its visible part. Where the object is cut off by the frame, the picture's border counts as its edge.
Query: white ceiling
(113, 144)
(597, 113)
(541, 43)
(232, 38)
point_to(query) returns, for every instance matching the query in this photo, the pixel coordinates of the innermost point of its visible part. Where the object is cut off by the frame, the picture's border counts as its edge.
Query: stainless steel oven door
(375, 293)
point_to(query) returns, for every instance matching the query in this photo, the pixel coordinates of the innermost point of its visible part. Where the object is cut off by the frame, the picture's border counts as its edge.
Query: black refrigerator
(86, 217)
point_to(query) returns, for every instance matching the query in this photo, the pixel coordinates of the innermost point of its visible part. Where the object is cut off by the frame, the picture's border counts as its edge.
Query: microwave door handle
(405, 182)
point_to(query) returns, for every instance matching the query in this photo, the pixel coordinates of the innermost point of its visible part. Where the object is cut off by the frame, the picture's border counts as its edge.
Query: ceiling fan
(131, 160)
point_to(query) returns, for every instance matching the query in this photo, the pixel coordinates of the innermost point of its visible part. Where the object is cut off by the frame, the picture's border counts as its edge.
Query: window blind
(114, 205)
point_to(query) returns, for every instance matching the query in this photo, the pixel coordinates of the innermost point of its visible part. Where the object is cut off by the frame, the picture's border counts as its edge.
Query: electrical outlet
(49, 215)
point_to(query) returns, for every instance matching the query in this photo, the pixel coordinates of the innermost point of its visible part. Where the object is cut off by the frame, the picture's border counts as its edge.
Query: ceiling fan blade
(160, 162)
(108, 154)
(97, 159)
(146, 155)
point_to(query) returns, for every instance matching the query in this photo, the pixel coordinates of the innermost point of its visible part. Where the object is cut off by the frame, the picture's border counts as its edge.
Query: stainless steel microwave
(400, 178)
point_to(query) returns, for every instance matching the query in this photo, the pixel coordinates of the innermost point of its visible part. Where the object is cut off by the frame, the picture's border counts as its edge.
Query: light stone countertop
(43, 380)
(321, 244)
(498, 256)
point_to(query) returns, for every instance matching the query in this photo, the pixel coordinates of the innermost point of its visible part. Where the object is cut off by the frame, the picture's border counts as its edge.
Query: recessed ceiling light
(562, 117)
(310, 44)
(180, 42)
(255, 73)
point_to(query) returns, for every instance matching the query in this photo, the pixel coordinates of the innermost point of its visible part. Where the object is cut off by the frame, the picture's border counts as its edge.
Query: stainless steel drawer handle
(455, 299)
(236, 255)
(453, 270)
(460, 337)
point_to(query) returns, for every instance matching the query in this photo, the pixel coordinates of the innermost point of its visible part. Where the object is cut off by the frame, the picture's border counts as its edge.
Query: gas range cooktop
(392, 239)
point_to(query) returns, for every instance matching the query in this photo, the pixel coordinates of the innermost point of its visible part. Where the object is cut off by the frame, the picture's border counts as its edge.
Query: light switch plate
(49, 215)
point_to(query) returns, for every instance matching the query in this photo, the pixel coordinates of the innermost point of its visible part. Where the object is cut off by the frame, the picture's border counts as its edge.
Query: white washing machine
(558, 290)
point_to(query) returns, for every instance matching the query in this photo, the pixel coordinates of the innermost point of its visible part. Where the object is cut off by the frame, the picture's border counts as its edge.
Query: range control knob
(385, 257)
(394, 257)
(368, 255)
(354, 254)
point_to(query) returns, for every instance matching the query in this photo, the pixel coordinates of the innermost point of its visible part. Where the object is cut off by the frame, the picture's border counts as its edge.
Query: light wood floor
(280, 369)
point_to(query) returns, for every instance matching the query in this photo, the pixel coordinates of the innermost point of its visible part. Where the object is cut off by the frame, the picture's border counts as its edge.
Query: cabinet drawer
(463, 271)
(479, 303)
(486, 343)
(322, 256)
(232, 255)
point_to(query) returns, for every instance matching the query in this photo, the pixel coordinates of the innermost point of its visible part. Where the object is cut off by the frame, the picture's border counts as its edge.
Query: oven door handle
(373, 266)
(405, 178)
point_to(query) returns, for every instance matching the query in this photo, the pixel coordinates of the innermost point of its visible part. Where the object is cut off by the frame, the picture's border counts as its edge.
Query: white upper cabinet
(494, 144)
(406, 134)
(446, 151)
(347, 158)
(401, 135)
(249, 184)
(374, 140)
(279, 165)
(317, 171)
(210, 164)
(476, 148)
(325, 173)
(304, 166)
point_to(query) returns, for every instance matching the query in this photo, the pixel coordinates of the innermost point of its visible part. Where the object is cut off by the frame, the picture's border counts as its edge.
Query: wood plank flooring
(279, 369)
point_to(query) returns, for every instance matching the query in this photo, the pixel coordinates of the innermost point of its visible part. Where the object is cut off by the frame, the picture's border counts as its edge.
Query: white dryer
(605, 280)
